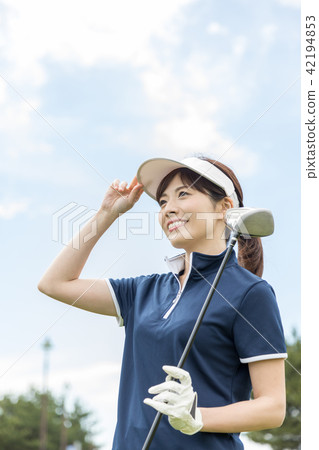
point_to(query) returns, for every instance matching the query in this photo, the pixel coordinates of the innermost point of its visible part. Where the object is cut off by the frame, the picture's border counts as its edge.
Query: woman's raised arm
(61, 280)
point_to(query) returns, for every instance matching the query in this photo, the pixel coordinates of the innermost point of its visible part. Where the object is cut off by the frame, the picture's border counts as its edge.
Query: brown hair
(250, 250)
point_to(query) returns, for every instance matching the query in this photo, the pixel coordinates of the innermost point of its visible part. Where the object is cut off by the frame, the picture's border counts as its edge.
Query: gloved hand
(177, 400)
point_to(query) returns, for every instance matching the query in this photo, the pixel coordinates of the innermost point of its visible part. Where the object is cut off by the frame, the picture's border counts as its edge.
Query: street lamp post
(63, 435)
(44, 398)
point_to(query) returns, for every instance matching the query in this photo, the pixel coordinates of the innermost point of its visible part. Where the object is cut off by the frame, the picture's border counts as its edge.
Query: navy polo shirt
(242, 324)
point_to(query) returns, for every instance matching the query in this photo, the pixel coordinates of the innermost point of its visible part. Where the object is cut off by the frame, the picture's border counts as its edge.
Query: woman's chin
(178, 241)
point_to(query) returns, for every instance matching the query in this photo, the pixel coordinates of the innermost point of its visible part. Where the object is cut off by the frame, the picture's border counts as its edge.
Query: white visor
(152, 172)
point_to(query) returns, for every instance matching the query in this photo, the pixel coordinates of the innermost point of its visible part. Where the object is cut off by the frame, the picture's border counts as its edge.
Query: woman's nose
(170, 207)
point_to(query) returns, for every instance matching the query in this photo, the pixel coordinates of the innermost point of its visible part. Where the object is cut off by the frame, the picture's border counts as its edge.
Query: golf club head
(253, 222)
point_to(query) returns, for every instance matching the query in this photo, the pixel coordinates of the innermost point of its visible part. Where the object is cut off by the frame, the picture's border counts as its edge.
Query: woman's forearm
(69, 263)
(62, 279)
(250, 415)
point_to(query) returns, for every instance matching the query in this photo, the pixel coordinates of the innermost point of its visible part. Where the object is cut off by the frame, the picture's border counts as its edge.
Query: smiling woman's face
(188, 217)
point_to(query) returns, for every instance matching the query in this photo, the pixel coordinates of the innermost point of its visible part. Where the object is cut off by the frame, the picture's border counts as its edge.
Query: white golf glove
(177, 400)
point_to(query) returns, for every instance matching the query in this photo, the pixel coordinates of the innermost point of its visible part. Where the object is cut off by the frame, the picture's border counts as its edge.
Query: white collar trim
(176, 263)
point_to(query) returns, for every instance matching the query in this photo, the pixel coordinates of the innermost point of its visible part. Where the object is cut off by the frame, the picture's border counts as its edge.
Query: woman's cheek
(161, 220)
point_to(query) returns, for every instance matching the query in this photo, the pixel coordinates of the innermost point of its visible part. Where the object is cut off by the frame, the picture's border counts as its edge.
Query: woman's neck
(211, 250)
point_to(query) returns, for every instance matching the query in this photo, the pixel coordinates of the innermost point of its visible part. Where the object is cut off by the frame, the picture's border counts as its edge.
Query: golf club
(248, 222)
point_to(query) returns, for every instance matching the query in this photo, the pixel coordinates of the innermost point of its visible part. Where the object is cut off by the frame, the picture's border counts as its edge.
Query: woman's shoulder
(146, 279)
(155, 277)
(248, 280)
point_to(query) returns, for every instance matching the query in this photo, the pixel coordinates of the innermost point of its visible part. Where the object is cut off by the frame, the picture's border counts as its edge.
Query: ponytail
(251, 255)
(250, 250)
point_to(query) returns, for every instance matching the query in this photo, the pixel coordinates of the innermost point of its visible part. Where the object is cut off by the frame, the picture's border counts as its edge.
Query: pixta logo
(67, 222)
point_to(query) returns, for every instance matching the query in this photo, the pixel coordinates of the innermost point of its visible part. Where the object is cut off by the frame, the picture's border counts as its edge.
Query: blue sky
(86, 95)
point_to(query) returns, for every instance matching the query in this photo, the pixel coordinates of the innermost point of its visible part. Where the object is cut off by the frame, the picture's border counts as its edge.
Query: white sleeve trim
(263, 357)
(119, 318)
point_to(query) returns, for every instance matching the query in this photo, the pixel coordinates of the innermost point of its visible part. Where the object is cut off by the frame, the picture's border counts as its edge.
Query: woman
(240, 344)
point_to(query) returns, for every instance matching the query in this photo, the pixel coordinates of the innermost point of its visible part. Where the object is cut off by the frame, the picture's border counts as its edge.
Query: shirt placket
(180, 291)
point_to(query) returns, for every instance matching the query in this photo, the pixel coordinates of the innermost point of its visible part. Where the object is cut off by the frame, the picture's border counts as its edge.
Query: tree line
(20, 417)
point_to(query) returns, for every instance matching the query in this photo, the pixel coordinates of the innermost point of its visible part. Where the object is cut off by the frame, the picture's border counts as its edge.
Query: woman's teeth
(176, 224)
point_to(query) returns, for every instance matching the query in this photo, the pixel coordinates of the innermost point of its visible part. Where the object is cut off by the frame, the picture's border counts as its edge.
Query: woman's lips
(175, 225)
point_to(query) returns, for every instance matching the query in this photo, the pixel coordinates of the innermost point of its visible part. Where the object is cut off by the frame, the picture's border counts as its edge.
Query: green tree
(20, 423)
(288, 436)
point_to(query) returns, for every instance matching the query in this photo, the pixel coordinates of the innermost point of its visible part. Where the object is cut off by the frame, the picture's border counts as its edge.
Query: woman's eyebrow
(177, 189)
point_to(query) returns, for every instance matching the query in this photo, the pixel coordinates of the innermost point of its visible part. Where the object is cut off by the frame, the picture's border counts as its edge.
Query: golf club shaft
(192, 336)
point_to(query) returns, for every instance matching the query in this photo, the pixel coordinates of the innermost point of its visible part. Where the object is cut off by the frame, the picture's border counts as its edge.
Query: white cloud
(27, 151)
(186, 106)
(159, 85)
(193, 134)
(217, 28)
(239, 46)
(197, 77)
(20, 134)
(291, 3)
(8, 210)
(3, 91)
(269, 33)
(184, 100)
(70, 31)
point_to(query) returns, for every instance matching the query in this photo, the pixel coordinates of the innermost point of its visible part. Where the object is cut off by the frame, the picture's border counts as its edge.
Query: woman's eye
(183, 193)
(162, 202)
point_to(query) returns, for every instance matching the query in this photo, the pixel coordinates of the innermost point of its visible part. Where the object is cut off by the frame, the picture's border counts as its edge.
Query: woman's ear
(227, 203)
(223, 205)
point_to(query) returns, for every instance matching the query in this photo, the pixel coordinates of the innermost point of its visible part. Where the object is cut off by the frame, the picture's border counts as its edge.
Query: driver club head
(253, 222)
